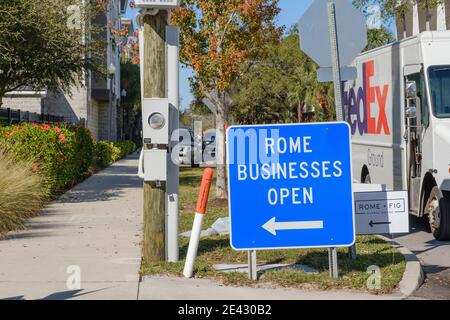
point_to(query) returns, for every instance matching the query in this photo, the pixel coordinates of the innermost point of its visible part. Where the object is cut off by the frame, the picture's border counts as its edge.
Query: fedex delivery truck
(399, 113)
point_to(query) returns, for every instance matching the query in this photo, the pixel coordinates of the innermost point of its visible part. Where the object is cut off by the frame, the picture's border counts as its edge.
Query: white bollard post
(193, 245)
(197, 227)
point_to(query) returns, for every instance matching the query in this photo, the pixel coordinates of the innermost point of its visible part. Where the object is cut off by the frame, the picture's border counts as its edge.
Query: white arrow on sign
(272, 226)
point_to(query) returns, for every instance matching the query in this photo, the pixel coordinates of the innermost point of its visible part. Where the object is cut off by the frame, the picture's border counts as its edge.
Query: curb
(413, 277)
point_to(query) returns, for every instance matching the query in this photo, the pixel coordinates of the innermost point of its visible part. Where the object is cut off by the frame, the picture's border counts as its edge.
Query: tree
(394, 8)
(42, 44)
(218, 38)
(378, 37)
(51, 44)
(279, 87)
(130, 82)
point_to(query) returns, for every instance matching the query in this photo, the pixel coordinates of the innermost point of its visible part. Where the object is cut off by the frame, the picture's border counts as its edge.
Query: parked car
(209, 146)
(190, 152)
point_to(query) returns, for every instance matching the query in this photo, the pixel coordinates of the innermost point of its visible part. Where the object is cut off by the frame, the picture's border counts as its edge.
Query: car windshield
(440, 90)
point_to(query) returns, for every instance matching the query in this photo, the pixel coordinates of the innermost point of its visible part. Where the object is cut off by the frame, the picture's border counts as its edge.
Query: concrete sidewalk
(94, 229)
(163, 288)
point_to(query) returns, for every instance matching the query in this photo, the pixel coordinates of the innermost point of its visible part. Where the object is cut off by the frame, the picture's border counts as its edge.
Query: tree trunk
(299, 113)
(223, 109)
(326, 108)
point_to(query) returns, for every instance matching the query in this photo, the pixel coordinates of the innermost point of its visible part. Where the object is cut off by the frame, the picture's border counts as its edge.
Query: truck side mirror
(411, 112)
(411, 90)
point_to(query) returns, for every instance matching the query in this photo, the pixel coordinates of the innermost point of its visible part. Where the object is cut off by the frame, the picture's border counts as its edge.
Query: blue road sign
(290, 186)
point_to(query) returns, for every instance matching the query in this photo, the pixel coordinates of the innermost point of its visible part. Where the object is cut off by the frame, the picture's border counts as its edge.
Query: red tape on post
(205, 187)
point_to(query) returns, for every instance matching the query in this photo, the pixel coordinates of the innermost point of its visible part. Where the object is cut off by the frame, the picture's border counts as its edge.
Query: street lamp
(123, 94)
(111, 73)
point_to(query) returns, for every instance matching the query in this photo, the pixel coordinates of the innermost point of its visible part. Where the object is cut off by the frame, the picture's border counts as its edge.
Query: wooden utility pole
(154, 28)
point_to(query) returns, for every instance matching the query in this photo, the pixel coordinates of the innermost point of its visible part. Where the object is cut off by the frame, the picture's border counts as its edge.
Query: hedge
(63, 153)
(106, 153)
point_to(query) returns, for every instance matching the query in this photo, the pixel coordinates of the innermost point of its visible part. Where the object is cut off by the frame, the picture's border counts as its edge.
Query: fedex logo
(366, 97)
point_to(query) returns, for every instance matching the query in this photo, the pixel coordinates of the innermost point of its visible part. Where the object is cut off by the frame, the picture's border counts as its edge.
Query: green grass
(352, 273)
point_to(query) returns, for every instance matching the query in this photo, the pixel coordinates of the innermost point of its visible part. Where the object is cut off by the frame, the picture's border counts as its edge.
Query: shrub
(117, 152)
(102, 154)
(106, 153)
(21, 192)
(63, 153)
(126, 147)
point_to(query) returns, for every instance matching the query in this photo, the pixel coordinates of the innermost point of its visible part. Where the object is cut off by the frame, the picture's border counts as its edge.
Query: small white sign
(384, 212)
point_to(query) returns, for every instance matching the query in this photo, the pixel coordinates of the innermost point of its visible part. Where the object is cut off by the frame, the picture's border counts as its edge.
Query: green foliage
(102, 154)
(394, 8)
(62, 153)
(276, 89)
(127, 147)
(117, 152)
(106, 153)
(41, 44)
(131, 82)
(378, 37)
(21, 193)
(40, 161)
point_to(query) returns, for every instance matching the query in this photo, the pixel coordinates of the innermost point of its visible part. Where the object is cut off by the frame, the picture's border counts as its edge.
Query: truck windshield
(440, 90)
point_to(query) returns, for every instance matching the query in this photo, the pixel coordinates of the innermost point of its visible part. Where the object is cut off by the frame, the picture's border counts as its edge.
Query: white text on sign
(289, 170)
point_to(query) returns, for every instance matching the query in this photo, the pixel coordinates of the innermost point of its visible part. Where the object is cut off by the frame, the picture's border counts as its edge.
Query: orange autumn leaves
(218, 37)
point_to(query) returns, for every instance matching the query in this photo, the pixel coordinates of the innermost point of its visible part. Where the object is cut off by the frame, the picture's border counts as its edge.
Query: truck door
(417, 120)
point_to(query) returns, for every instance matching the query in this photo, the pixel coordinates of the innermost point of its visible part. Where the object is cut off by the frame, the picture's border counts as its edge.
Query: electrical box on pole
(159, 59)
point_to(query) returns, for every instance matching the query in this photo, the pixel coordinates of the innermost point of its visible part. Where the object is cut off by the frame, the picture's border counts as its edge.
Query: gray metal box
(155, 165)
(151, 107)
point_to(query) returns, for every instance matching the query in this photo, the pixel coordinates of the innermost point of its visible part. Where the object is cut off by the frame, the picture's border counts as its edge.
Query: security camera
(158, 4)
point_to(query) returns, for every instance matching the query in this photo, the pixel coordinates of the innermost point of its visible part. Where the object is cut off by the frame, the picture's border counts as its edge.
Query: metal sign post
(332, 252)
(333, 263)
(252, 266)
(335, 61)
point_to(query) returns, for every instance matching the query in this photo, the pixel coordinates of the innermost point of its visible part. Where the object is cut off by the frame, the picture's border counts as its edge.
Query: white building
(420, 19)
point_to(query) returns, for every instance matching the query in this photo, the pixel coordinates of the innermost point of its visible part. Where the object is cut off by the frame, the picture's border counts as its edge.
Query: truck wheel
(438, 208)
